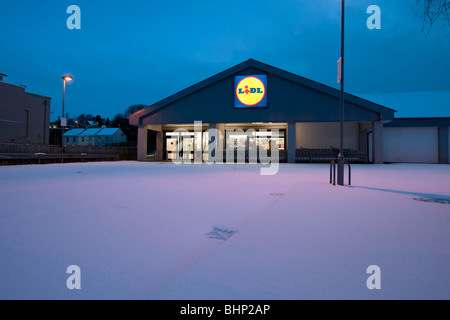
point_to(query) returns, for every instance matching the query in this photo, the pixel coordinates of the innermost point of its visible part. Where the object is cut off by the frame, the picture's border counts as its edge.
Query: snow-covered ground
(161, 231)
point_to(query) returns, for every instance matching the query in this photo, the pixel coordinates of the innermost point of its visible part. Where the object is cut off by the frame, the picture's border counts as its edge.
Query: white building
(72, 137)
(110, 136)
(87, 137)
(98, 137)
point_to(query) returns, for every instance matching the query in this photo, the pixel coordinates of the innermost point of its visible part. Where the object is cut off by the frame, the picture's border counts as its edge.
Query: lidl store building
(255, 105)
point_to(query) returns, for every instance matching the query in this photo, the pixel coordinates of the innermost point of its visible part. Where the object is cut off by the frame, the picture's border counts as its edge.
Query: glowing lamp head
(67, 78)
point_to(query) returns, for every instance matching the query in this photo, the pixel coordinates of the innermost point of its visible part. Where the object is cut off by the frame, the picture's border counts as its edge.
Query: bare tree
(432, 12)
(134, 108)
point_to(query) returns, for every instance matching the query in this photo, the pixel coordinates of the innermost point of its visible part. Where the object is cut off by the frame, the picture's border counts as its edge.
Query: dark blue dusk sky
(139, 52)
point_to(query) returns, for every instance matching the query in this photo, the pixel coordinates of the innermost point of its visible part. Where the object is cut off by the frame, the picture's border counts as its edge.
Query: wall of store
(325, 135)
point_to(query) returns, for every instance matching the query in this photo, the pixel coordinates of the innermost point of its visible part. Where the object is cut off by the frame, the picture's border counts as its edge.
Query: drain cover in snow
(220, 234)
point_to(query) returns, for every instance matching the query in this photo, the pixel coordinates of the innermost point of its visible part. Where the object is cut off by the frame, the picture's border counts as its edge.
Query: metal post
(341, 143)
(62, 116)
(333, 172)
(64, 97)
(349, 174)
(65, 78)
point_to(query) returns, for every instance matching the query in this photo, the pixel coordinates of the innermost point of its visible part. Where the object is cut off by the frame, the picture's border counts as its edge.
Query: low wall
(28, 148)
(123, 153)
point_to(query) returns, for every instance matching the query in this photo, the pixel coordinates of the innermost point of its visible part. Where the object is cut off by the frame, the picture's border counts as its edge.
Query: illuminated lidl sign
(250, 91)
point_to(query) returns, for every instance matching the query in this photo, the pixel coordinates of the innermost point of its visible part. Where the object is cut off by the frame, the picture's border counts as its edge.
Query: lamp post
(341, 160)
(63, 119)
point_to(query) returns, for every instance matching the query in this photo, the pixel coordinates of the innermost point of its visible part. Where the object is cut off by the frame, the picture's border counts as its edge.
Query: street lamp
(63, 119)
(65, 78)
(341, 160)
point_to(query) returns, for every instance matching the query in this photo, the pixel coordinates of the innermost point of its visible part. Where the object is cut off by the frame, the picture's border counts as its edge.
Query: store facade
(254, 106)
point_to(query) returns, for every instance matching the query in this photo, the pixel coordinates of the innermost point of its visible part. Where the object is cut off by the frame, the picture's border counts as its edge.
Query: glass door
(179, 145)
(187, 141)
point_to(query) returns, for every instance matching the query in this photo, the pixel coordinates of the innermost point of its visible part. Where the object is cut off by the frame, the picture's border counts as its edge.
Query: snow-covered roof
(73, 132)
(108, 131)
(90, 132)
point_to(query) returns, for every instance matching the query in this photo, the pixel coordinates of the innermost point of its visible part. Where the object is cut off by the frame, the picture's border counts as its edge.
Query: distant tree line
(122, 121)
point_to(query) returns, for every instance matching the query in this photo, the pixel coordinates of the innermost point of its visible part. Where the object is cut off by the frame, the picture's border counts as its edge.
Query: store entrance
(187, 146)
(181, 145)
(256, 140)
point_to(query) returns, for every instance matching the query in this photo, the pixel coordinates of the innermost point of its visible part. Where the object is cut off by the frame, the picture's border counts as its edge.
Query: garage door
(417, 145)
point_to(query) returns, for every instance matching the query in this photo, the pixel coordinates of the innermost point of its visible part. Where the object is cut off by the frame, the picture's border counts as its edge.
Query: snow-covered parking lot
(160, 231)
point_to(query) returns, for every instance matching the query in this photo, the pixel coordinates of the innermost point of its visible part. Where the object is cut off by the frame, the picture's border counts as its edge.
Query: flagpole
(341, 160)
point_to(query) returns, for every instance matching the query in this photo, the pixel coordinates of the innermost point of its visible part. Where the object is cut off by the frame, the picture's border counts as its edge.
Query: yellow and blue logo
(250, 91)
